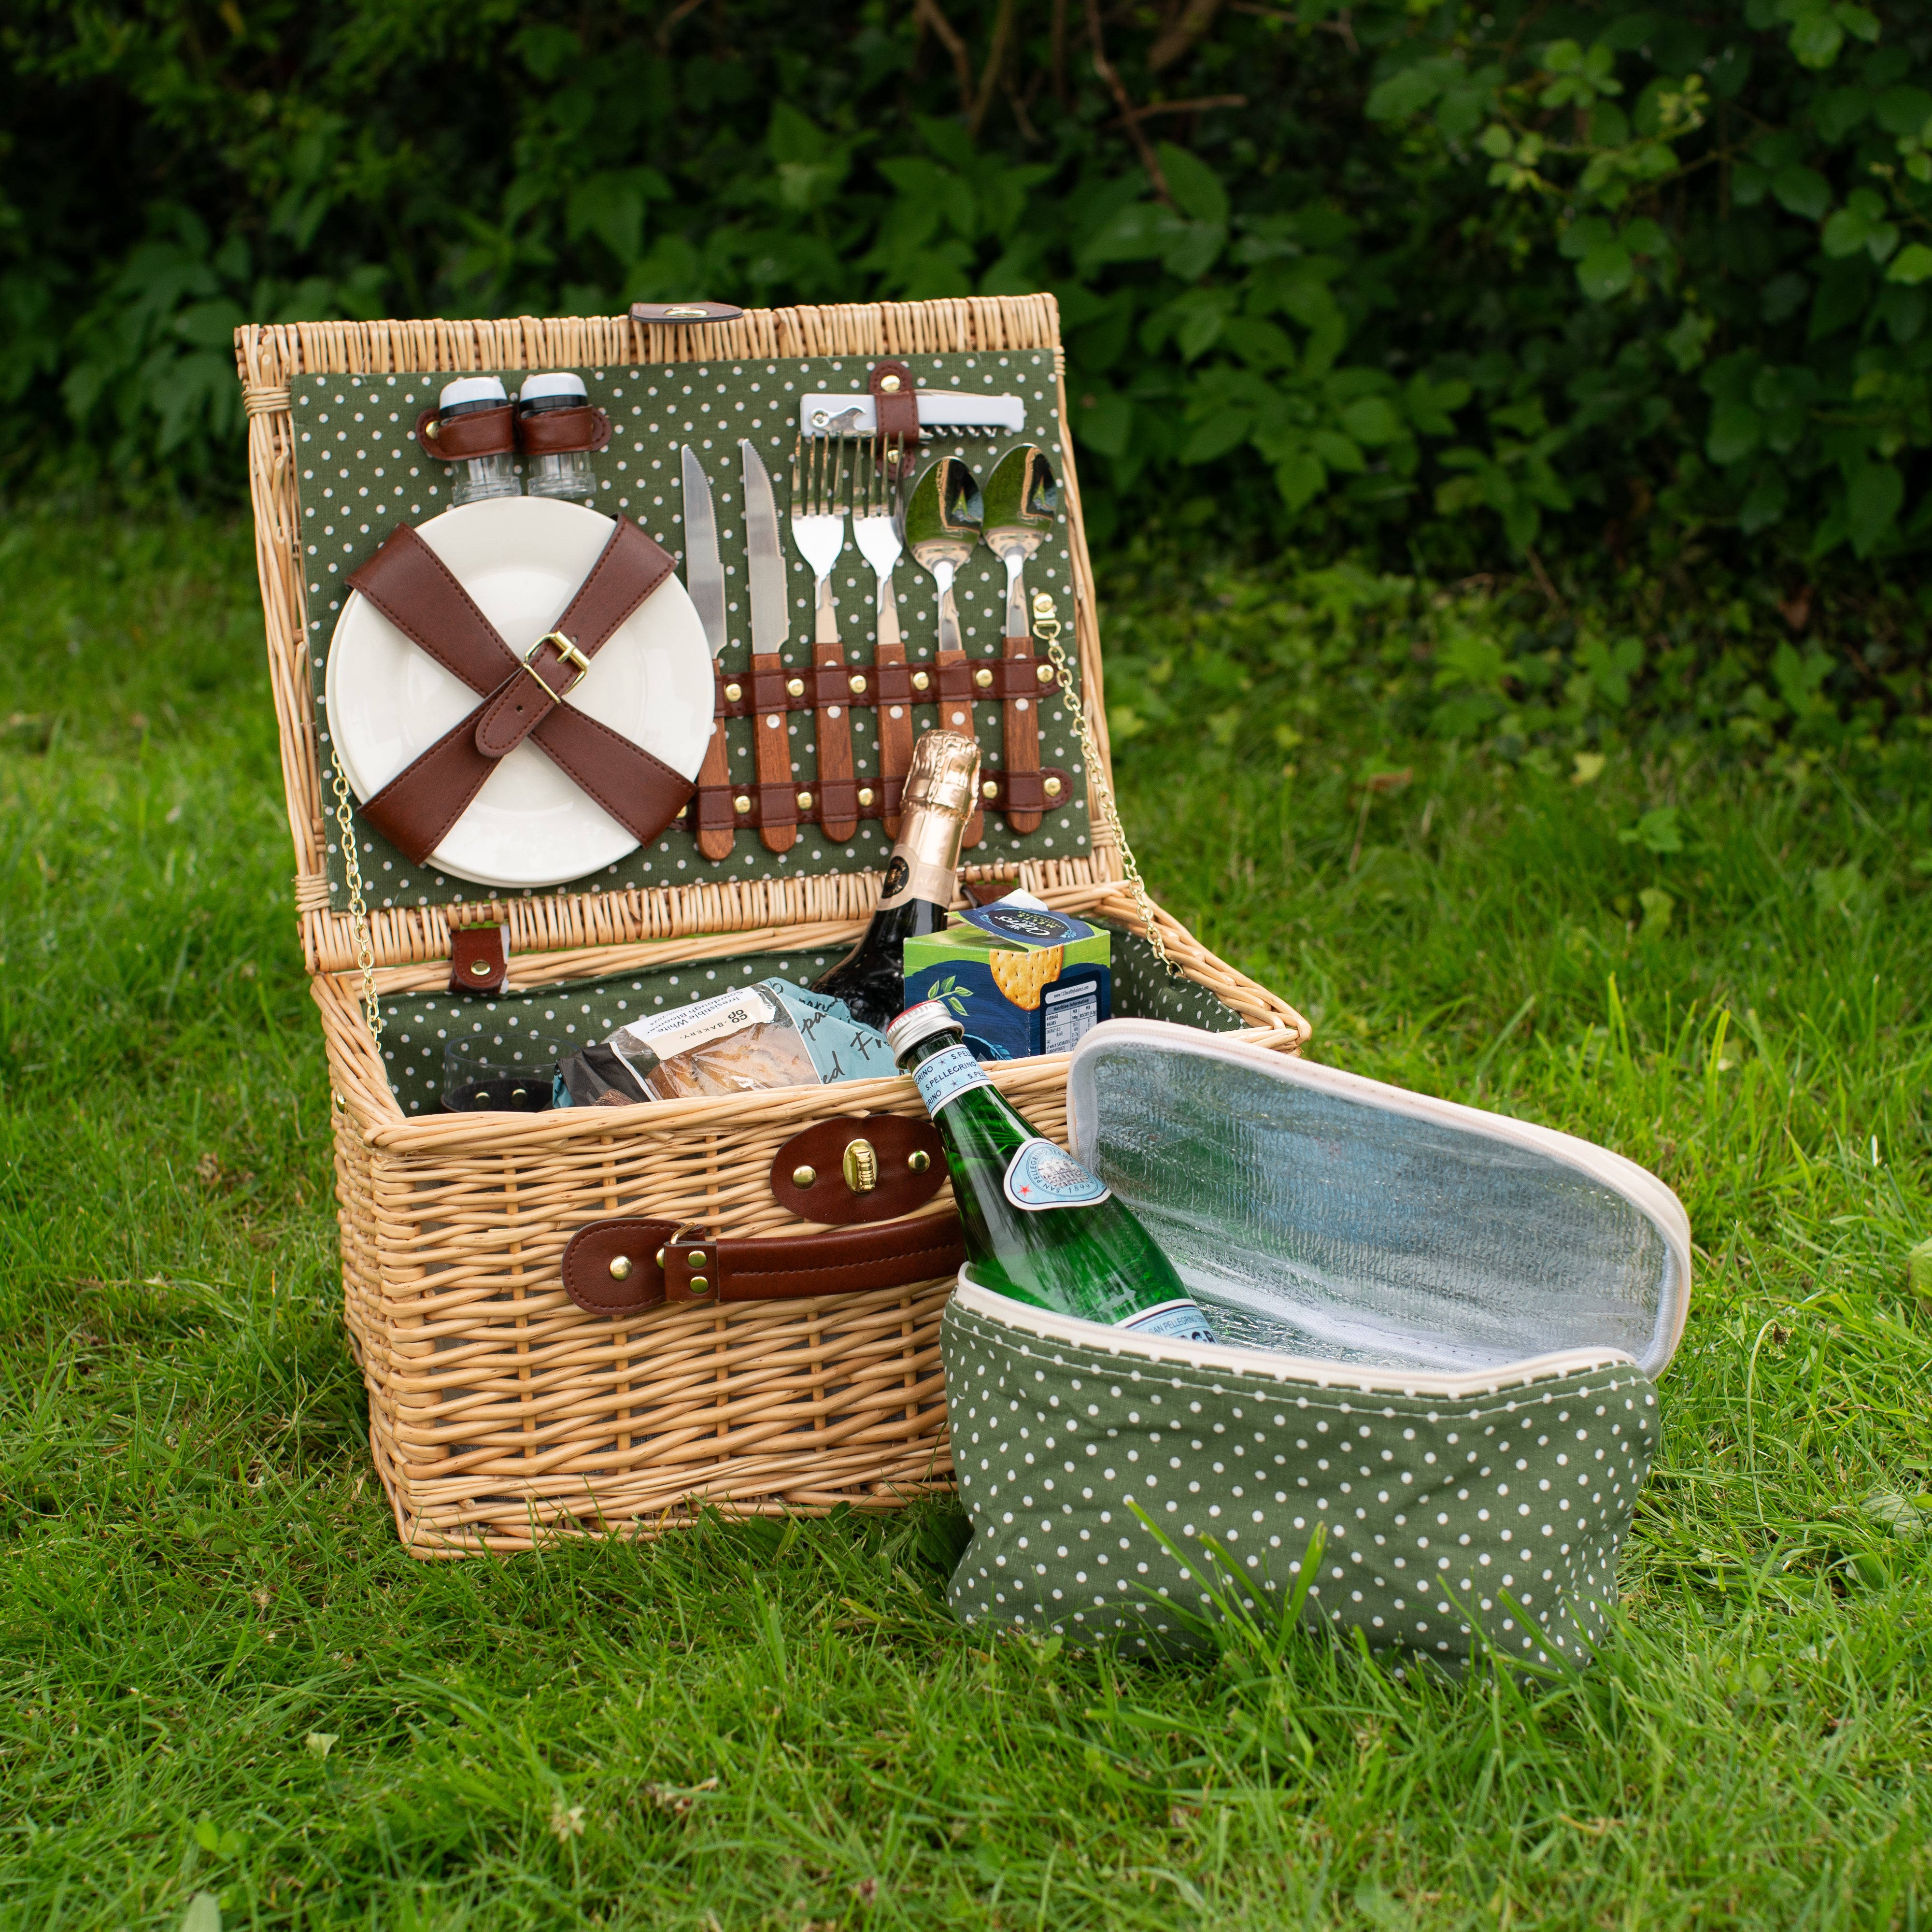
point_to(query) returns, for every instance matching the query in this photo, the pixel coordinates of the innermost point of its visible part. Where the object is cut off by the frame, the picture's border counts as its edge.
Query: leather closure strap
(479, 961)
(557, 432)
(490, 432)
(622, 1267)
(684, 314)
(411, 587)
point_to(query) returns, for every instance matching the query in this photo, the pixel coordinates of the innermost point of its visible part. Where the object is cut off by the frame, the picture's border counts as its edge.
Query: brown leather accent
(717, 805)
(698, 312)
(557, 432)
(408, 583)
(1019, 746)
(490, 432)
(776, 793)
(787, 1267)
(832, 731)
(898, 409)
(715, 821)
(479, 961)
(893, 1139)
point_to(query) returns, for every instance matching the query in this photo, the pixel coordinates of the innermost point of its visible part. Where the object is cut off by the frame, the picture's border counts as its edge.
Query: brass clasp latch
(566, 650)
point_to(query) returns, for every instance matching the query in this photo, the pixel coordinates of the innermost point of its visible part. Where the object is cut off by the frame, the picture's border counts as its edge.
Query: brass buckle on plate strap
(566, 650)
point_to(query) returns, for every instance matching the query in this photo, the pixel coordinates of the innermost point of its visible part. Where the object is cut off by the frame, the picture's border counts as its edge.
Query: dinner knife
(771, 626)
(704, 578)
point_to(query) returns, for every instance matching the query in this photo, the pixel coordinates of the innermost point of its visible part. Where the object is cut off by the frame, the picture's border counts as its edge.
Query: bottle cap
(918, 1023)
(561, 387)
(945, 773)
(471, 389)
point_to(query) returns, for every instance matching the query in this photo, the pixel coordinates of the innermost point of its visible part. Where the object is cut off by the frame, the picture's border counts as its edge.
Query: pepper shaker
(553, 472)
(474, 479)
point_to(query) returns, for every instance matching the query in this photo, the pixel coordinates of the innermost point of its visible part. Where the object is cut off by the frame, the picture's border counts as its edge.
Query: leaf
(1912, 265)
(322, 1742)
(1657, 905)
(1802, 191)
(1605, 272)
(1195, 186)
(1300, 478)
(1372, 421)
(1736, 429)
(1903, 110)
(1873, 498)
(1657, 832)
(203, 1914)
(1224, 431)
(1406, 93)
(1815, 40)
(1905, 1517)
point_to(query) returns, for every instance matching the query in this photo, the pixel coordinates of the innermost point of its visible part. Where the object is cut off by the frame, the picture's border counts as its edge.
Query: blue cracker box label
(1021, 978)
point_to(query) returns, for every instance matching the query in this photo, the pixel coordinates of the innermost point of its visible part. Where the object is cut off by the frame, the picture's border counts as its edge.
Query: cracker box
(1025, 979)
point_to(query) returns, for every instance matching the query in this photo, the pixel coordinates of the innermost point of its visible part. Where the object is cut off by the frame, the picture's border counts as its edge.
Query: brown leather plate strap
(490, 432)
(411, 587)
(557, 432)
(611, 1268)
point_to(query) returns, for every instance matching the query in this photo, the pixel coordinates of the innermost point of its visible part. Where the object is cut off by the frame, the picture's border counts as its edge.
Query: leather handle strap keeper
(613, 1267)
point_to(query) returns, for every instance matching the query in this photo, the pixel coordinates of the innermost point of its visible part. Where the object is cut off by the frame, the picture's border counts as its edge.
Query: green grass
(222, 1676)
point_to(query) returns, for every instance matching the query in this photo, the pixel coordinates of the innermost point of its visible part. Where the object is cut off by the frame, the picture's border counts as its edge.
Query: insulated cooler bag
(1434, 1394)
(596, 1320)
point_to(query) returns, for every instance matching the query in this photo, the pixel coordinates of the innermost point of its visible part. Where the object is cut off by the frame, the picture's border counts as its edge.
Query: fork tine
(798, 445)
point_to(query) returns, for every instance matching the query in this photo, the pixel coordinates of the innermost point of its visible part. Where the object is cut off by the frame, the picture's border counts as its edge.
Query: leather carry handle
(622, 1267)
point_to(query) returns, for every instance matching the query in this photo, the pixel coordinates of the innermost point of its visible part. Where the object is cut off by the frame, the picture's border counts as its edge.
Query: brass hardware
(699, 1285)
(991, 789)
(857, 683)
(805, 801)
(519, 1094)
(795, 686)
(433, 429)
(695, 1258)
(919, 1160)
(862, 1167)
(686, 312)
(866, 794)
(982, 678)
(741, 804)
(566, 650)
(1051, 787)
(1043, 604)
(480, 969)
(660, 1257)
(1044, 674)
(803, 1177)
(620, 1268)
(920, 680)
(733, 692)
(889, 384)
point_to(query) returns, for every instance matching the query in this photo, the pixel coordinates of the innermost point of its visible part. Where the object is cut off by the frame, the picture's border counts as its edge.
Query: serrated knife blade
(771, 616)
(704, 573)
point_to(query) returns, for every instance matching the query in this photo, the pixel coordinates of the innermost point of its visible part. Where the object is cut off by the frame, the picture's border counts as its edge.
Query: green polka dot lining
(1500, 1511)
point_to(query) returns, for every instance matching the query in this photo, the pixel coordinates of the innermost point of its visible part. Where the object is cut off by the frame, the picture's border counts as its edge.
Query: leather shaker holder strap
(896, 404)
(557, 432)
(846, 1171)
(491, 432)
(613, 1267)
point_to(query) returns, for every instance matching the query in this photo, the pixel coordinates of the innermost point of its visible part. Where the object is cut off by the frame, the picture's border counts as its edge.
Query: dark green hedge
(1434, 281)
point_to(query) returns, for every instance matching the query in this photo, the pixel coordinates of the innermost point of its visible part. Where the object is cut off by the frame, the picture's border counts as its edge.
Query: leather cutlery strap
(614, 1267)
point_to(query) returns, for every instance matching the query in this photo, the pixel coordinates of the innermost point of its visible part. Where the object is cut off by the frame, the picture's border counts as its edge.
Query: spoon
(1022, 500)
(942, 516)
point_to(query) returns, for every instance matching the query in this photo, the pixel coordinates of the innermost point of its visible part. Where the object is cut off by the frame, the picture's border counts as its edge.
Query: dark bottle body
(871, 978)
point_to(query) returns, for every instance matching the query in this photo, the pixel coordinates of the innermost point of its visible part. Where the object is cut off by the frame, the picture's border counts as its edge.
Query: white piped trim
(1207, 1356)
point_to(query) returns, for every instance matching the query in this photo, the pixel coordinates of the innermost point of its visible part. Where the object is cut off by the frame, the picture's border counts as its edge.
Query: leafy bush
(1443, 283)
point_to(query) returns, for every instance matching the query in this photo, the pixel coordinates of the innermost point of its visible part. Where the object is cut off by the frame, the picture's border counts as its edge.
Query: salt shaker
(476, 478)
(542, 426)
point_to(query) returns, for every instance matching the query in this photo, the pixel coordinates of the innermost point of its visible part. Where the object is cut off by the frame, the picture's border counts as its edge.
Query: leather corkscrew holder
(895, 408)
(622, 1267)
(523, 697)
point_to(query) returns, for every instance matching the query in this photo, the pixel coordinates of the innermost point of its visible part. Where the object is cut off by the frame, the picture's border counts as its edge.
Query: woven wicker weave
(500, 1411)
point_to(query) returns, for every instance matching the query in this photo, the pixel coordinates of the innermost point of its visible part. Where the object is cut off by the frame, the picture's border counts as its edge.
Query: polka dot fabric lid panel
(1454, 1512)
(359, 472)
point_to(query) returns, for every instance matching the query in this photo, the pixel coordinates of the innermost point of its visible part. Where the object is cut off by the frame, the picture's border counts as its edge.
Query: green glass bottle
(1038, 1226)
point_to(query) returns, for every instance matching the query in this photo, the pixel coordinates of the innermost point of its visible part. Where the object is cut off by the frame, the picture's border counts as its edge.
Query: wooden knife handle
(895, 725)
(1020, 750)
(714, 775)
(956, 714)
(771, 735)
(831, 719)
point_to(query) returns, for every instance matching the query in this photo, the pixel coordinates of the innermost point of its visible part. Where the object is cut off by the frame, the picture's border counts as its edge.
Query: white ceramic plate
(521, 558)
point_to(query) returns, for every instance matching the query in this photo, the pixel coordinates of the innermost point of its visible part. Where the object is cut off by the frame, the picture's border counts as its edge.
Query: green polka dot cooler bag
(1432, 1404)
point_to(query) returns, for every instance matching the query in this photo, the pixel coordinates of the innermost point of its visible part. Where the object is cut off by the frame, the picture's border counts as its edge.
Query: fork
(876, 528)
(818, 489)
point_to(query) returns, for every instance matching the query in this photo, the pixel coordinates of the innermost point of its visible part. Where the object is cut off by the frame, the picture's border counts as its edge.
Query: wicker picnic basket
(505, 1407)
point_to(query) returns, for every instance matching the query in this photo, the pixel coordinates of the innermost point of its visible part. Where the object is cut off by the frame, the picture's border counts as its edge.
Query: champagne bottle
(920, 876)
(1038, 1226)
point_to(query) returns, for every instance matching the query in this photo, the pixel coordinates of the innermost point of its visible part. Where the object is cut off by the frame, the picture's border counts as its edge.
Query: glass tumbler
(480, 1076)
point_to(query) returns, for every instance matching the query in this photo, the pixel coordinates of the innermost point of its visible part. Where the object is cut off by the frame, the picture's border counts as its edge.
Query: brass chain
(351, 871)
(1046, 628)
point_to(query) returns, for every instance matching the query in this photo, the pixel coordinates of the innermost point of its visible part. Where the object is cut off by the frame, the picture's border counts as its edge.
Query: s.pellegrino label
(946, 1076)
(1040, 1176)
(1178, 1321)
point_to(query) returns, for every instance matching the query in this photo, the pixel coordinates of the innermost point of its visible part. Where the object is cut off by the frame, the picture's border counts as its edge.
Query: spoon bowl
(1022, 501)
(943, 517)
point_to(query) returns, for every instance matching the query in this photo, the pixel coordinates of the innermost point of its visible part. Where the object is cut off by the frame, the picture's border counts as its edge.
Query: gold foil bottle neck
(944, 775)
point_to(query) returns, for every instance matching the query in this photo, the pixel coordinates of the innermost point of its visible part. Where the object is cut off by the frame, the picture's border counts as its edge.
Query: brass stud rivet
(982, 678)
(741, 804)
(695, 1258)
(660, 1257)
(990, 789)
(795, 686)
(919, 1160)
(866, 794)
(480, 969)
(620, 1267)
(733, 692)
(1051, 787)
(803, 1177)
(857, 683)
(1044, 674)
(699, 1285)
(433, 429)
(890, 384)
(805, 801)
(920, 680)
